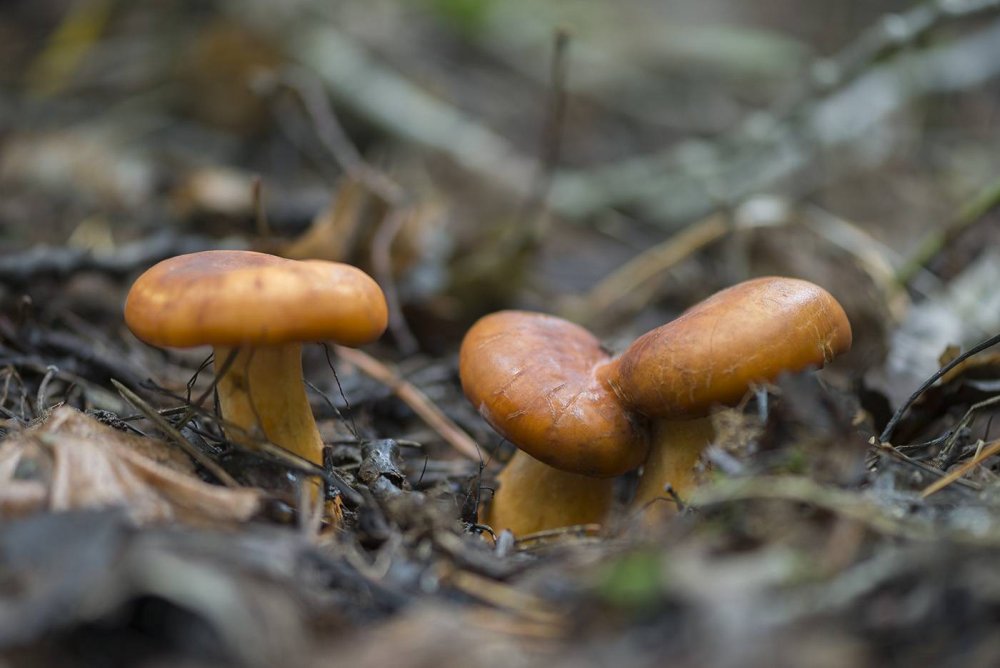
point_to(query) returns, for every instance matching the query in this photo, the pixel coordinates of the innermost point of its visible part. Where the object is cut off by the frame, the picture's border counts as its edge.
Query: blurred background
(476, 154)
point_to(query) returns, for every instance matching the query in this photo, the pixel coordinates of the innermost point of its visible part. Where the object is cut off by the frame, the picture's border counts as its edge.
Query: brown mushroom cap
(232, 298)
(713, 352)
(532, 377)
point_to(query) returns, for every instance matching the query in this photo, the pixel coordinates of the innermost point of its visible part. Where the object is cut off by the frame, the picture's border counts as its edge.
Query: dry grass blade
(841, 502)
(890, 450)
(623, 283)
(505, 597)
(549, 536)
(954, 476)
(503, 623)
(985, 201)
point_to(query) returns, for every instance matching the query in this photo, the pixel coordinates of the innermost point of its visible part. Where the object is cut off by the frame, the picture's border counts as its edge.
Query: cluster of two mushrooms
(581, 417)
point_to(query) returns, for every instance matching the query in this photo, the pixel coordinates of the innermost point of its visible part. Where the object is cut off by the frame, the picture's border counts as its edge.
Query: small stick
(251, 443)
(503, 596)
(392, 223)
(193, 406)
(649, 264)
(889, 449)
(167, 428)
(952, 439)
(260, 213)
(334, 139)
(954, 476)
(43, 389)
(550, 142)
(985, 201)
(574, 531)
(901, 411)
(415, 399)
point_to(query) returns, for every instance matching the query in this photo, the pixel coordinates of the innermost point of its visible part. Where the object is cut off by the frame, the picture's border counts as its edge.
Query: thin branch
(982, 203)
(955, 475)
(335, 140)
(62, 261)
(387, 232)
(901, 411)
(550, 142)
(153, 416)
(450, 432)
(631, 277)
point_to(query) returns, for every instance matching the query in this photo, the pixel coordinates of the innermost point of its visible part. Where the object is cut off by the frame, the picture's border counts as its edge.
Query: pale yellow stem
(262, 392)
(533, 496)
(674, 450)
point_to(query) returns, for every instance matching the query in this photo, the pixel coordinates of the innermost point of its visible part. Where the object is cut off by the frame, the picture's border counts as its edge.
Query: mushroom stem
(674, 451)
(263, 394)
(534, 496)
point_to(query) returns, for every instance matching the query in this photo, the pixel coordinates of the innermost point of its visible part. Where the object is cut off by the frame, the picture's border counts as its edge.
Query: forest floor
(611, 163)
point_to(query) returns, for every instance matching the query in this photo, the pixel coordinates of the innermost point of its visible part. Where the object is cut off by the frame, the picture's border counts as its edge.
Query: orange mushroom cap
(533, 378)
(712, 353)
(232, 298)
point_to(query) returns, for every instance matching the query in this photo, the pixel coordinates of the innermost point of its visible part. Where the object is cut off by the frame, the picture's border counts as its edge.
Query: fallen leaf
(70, 461)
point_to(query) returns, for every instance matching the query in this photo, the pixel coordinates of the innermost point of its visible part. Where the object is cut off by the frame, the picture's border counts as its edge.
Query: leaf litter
(70, 461)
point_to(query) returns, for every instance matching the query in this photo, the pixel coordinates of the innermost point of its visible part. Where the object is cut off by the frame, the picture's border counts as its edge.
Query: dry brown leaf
(71, 461)
(332, 233)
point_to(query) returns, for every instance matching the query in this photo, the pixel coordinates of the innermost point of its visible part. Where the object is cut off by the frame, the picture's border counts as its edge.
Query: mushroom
(257, 309)
(579, 417)
(534, 378)
(711, 355)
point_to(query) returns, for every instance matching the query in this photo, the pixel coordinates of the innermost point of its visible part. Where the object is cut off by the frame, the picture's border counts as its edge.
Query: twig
(403, 109)
(985, 201)
(351, 424)
(37, 365)
(525, 630)
(890, 450)
(551, 137)
(803, 490)
(333, 137)
(891, 34)
(963, 422)
(250, 443)
(415, 399)
(331, 134)
(901, 411)
(503, 596)
(59, 261)
(43, 388)
(153, 416)
(260, 213)
(875, 258)
(955, 475)
(643, 268)
(546, 535)
(387, 231)
(210, 390)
